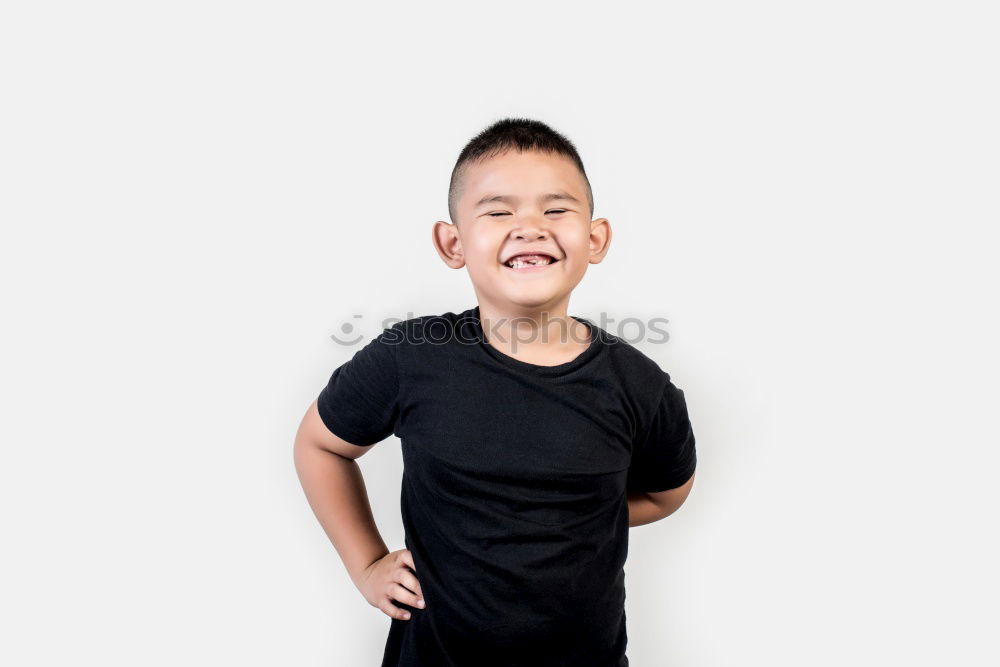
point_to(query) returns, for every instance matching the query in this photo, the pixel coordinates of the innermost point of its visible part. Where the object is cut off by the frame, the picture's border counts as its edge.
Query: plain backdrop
(196, 195)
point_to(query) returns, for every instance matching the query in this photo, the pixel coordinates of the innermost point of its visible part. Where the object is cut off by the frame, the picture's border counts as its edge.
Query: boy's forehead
(524, 171)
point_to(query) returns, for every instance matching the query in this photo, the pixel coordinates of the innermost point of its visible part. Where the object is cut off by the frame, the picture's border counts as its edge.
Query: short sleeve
(358, 404)
(664, 457)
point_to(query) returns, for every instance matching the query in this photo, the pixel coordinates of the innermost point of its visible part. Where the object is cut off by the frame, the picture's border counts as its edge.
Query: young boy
(532, 440)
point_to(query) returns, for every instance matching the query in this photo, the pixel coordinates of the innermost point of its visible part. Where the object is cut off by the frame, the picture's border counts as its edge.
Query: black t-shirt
(514, 486)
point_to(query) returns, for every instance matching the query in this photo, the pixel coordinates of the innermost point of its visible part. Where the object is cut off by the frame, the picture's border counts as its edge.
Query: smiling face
(523, 203)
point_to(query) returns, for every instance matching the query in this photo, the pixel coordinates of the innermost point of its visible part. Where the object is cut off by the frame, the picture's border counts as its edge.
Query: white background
(195, 195)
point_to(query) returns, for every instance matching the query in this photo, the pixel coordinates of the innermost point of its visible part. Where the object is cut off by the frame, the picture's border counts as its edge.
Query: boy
(532, 440)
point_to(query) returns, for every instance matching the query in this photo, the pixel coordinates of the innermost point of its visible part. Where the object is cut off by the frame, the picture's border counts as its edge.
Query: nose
(529, 229)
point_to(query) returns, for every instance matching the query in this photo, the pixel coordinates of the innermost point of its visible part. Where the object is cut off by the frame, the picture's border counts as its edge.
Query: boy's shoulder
(631, 361)
(434, 327)
(623, 356)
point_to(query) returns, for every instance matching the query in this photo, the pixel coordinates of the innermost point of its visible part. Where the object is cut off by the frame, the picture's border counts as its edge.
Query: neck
(514, 329)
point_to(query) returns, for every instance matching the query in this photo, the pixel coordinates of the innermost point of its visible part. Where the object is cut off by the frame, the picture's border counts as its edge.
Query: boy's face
(518, 203)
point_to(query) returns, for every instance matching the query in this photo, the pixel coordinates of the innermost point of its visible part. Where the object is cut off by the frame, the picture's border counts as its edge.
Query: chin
(534, 299)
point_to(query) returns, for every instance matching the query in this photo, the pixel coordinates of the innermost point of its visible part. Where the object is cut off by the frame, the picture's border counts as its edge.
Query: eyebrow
(507, 199)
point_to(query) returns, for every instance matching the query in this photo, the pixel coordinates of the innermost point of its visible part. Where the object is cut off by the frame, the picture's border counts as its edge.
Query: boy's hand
(390, 578)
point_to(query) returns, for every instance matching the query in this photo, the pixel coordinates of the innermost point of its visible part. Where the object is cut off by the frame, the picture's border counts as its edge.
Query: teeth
(519, 263)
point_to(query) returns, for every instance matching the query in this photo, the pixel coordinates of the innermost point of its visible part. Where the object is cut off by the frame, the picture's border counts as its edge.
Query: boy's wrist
(361, 570)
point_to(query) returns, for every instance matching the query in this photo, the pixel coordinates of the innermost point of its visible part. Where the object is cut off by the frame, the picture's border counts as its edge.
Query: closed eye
(498, 213)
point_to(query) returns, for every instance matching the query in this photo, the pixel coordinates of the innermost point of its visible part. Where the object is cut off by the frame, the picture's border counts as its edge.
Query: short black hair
(519, 134)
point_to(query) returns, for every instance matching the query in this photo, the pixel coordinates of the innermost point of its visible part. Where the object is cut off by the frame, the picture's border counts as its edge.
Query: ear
(600, 239)
(448, 243)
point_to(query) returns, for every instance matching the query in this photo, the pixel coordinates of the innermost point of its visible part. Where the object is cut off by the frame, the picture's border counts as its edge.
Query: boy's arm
(336, 492)
(646, 508)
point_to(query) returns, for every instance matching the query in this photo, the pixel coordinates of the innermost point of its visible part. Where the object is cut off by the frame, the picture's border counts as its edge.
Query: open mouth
(530, 261)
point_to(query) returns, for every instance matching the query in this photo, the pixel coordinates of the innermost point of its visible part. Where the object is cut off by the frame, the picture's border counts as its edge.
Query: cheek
(577, 247)
(483, 249)
(481, 255)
